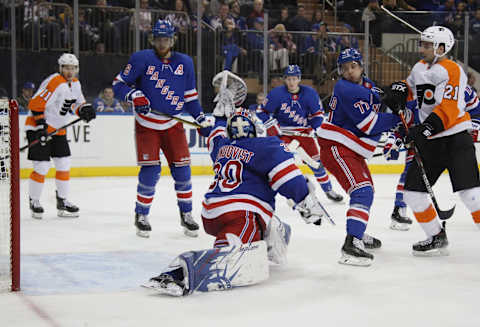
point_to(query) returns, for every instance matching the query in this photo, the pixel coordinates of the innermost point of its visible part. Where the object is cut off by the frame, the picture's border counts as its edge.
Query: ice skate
(143, 226)
(433, 246)
(371, 242)
(36, 209)
(334, 196)
(399, 219)
(190, 227)
(354, 254)
(66, 209)
(166, 284)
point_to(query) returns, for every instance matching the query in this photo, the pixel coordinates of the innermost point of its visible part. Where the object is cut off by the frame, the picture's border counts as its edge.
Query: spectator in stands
(88, 34)
(372, 12)
(205, 18)
(255, 46)
(180, 20)
(284, 19)
(218, 21)
(475, 24)
(300, 21)
(472, 5)
(347, 41)
(446, 15)
(459, 20)
(318, 52)
(66, 22)
(257, 12)
(100, 48)
(240, 21)
(471, 80)
(24, 98)
(144, 22)
(106, 102)
(259, 102)
(281, 46)
(276, 81)
(317, 17)
(231, 49)
(41, 25)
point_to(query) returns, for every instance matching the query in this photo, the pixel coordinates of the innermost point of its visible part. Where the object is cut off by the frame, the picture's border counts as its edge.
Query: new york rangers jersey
(169, 84)
(248, 174)
(472, 104)
(354, 120)
(293, 111)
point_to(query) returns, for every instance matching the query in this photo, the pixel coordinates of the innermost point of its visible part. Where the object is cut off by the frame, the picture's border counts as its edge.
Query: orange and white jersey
(48, 100)
(440, 88)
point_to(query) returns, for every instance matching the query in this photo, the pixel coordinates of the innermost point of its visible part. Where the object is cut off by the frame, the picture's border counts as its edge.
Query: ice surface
(87, 271)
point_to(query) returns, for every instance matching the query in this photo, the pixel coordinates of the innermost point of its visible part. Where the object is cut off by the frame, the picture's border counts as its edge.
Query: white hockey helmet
(68, 59)
(438, 35)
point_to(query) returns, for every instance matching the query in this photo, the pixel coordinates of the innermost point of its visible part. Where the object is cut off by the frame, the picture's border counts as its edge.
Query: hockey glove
(419, 133)
(395, 96)
(41, 133)
(391, 149)
(86, 112)
(140, 102)
(310, 209)
(205, 121)
(273, 128)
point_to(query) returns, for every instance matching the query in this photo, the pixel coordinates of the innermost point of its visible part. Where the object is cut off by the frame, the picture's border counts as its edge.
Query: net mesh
(5, 215)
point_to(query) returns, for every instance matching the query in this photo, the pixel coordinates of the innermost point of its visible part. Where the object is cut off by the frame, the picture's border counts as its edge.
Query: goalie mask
(241, 124)
(232, 91)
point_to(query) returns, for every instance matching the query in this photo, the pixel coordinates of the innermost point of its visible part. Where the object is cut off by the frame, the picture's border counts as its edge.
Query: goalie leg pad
(277, 237)
(220, 269)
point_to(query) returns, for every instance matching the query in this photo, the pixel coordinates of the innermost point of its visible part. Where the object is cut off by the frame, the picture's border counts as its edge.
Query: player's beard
(163, 52)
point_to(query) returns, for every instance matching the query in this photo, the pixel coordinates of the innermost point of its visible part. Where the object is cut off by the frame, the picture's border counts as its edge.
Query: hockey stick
(381, 153)
(443, 215)
(293, 205)
(49, 135)
(401, 20)
(188, 122)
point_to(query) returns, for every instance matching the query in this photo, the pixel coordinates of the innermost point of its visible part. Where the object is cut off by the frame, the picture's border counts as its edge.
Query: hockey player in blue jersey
(238, 211)
(350, 136)
(160, 83)
(295, 108)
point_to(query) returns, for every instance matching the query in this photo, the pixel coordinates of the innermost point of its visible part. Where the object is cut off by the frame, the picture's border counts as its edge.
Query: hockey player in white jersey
(442, 139)
(58, 97)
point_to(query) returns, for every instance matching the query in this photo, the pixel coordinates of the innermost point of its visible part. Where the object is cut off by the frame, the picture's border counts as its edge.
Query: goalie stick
(443, 215)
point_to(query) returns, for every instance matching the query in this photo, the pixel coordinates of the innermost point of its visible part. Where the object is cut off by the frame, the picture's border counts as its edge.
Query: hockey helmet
(438, 35)
(347, 55)
(68, 59)
(163, 28)
(293, 70)
(241, 124)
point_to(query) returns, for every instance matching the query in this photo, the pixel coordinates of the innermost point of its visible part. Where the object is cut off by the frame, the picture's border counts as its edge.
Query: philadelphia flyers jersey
(49, 99)
(440, 88)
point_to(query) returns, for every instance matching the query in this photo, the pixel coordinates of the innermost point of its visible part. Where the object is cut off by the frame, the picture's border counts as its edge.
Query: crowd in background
(295, 35)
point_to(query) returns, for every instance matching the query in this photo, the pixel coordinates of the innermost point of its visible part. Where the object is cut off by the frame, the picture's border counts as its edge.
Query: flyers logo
(425, 94)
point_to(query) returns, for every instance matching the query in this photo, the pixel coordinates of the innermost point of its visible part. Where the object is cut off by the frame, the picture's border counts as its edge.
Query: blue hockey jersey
(472, 104)
(249, 172)
(293, 111)
(354, 120)
(169, 84)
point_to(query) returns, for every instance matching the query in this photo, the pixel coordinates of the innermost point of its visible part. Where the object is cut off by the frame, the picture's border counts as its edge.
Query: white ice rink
(87, 271)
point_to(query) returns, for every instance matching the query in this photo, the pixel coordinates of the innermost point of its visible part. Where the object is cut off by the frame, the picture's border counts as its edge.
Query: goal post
(9, 197)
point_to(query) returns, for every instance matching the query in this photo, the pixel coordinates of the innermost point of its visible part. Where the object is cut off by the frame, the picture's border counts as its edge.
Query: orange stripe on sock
(426, 216)
(37, 177)
(476, 216)
(62, 175)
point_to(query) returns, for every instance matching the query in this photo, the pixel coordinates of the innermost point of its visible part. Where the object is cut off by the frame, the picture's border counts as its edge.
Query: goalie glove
(232, 91)
(311, 210)
(224, 103)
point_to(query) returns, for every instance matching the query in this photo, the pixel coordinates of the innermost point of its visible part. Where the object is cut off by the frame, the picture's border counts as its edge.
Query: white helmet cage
(438, 35)
(68, 59)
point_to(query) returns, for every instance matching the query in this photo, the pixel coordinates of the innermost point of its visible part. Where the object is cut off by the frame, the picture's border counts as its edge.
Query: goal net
(9, 197)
